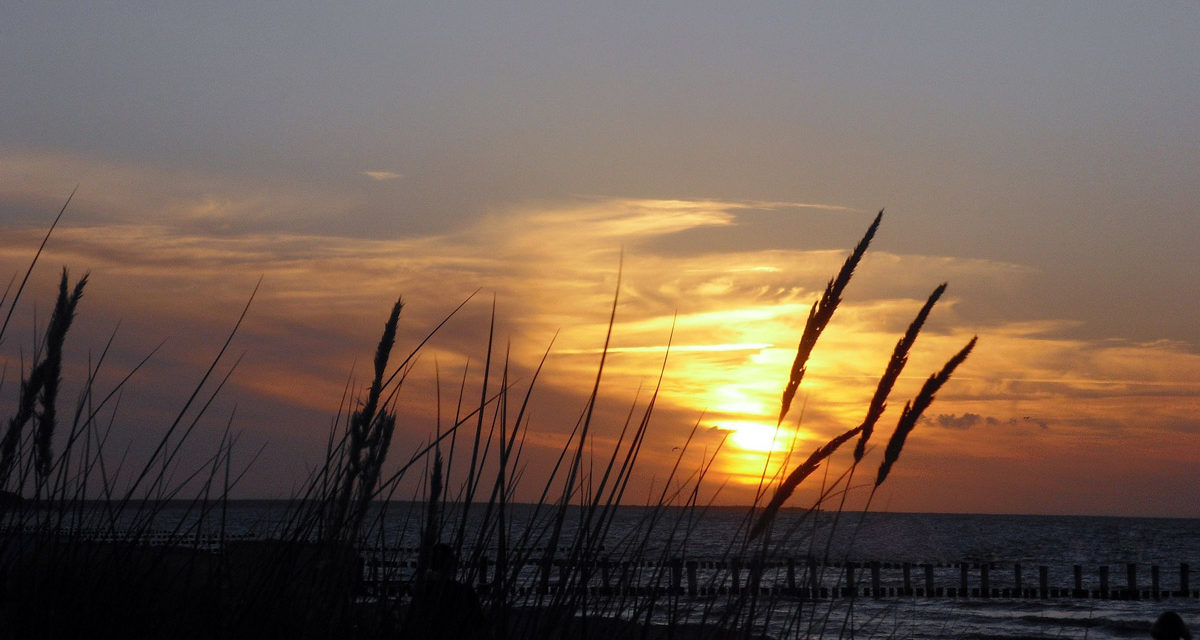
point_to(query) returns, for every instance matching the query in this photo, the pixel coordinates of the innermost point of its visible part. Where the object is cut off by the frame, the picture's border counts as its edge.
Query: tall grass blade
(820, 314)
(894, 367)
(32, 263)
(162, 444)
(797, 476)
(913, 410)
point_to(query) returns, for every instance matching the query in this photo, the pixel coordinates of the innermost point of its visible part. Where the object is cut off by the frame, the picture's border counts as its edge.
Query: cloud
(735, 314)
(951, 421)
(970, 420)
(381, 175)
(732, 317)
(113, 193)
(795, 205)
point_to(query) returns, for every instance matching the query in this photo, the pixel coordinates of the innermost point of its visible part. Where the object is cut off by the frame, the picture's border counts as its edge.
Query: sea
(1087, 562)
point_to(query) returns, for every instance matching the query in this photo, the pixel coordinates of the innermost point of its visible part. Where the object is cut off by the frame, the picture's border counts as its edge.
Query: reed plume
(797, 476)
(820, 314)
(56, 335)
(878, 402)
(913, 410)
(370, 433)
(40, 389)
(895, 366)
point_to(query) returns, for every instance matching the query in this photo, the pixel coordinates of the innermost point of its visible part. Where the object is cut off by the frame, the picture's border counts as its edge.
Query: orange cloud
(732, 318)
(381, 175)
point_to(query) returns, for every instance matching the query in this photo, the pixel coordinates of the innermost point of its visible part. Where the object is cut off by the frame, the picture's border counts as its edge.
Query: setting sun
(497, 320)
(757, 436)
(709, 166)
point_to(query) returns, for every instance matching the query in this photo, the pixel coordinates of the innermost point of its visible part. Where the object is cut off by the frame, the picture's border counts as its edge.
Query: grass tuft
(572, 564)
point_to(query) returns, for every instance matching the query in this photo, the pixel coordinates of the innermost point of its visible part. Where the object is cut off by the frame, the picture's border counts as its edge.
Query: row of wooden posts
(805, 581)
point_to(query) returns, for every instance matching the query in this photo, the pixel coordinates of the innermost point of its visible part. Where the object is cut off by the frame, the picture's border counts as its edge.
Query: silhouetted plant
(40, 390)
(304, 581)
(819, 317)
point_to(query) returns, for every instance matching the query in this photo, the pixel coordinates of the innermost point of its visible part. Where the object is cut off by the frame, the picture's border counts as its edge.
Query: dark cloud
(952, 421)
(968, 420)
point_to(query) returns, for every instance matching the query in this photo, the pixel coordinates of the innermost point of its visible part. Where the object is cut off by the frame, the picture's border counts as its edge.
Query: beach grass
(74, 555)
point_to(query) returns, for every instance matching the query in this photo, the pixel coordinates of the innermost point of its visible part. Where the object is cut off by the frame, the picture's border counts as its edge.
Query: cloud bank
(1027, 396)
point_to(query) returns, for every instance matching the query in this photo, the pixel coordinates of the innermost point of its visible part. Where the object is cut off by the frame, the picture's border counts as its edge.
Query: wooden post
(605, 573)
(985, 583)
(1185, 589)
(908, 590)
(814, 577)
(500, 575)
(1017, 581)
(735, 571)
(791, 575)
(1131, 572)
(756, 571)
(693, 582)
(1104, 581)
(544, 583)
(1079, 592)
(964, 567)
(1043, 582)
(928, 580)
(850, 589)
(625, 577)
(1154, 583)
(585, 573)
(875, 580)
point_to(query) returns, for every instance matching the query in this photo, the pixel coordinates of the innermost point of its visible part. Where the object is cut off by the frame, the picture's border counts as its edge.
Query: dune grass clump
(362, 554)
(38, 397)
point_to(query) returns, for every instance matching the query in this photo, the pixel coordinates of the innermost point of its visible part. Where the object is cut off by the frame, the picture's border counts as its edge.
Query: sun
(757, 436)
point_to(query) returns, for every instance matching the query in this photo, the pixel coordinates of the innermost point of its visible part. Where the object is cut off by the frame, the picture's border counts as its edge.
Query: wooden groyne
(387, 572)
(147, 537)
(807, 579)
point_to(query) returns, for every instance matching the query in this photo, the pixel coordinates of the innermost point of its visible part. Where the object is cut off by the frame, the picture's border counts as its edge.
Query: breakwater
(812, 579)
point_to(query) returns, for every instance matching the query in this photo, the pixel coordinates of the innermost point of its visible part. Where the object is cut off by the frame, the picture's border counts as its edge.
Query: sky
(709, 165)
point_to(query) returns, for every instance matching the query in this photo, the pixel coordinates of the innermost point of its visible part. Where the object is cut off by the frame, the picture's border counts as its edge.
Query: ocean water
(640, 543)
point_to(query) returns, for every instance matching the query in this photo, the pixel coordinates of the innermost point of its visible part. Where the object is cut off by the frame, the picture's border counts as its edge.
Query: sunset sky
(1043, 159)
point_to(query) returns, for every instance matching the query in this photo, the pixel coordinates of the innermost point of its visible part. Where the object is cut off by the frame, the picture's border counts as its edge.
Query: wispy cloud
(125, 193)
(553, 268)
(381, 175)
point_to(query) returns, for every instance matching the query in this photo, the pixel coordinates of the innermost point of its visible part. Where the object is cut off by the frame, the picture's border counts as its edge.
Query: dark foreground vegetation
(75, 523)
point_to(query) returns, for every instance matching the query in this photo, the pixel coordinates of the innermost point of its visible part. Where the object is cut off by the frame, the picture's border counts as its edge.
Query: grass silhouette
(74, 556)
